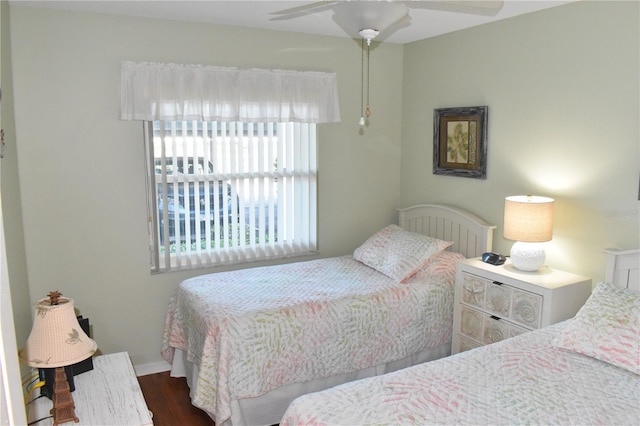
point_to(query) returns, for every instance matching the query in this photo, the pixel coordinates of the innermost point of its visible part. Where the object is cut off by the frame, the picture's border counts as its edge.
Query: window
(230, 192)
(232, 166)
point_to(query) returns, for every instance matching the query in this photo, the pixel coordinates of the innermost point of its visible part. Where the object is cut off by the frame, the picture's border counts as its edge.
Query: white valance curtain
(175, 92)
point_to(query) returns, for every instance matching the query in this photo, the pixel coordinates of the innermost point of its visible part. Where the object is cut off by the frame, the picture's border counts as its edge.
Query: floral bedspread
(253, 330)
(523, 380)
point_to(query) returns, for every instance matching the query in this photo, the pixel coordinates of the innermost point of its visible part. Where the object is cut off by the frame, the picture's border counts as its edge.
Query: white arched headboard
(470, 234)
(623, 268)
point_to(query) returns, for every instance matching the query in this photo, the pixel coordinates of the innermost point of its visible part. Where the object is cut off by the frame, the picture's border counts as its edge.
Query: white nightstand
(107, 395)
(493, 303)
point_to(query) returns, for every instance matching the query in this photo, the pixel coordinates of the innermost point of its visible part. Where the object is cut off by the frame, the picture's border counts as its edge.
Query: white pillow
(607, 328)
(398, 253)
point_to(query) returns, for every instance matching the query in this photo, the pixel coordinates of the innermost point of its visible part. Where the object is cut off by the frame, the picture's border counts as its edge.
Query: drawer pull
(497, 283)
(495, 318)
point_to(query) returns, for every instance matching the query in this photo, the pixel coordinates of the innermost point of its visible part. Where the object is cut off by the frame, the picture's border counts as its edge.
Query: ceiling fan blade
(306, 8)
(402, 23)
(302, 11)
(472, 7)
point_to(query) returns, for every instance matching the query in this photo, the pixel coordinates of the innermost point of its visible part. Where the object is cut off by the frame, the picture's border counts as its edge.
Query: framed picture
(460, 141)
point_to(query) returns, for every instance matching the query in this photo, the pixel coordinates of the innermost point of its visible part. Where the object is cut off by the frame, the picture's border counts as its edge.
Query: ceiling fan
(369, 18)
(384, 16)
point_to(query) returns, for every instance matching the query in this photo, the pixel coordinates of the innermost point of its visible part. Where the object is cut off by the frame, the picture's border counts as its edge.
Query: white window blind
(231, 192)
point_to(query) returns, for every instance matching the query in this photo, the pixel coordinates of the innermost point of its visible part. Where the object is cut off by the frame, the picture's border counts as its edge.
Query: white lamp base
(528, 256)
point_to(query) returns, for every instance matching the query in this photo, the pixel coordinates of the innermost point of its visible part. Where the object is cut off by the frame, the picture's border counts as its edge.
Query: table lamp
(528, 220)
(56, 341)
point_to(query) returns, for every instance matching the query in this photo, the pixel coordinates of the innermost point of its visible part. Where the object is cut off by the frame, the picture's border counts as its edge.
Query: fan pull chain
(361, 122)
(367, 112)
(367, 34)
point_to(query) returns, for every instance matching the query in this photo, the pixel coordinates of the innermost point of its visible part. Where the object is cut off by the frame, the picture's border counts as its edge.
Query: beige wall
(562, 87)
(81, 169)
(562, 90)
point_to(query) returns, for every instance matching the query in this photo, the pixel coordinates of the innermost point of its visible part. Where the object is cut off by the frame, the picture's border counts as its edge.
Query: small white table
(107, 395)
(492, 303)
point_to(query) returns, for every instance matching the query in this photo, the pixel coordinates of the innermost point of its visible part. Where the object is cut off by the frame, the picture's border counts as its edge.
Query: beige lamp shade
(56, 339)
(528, 218)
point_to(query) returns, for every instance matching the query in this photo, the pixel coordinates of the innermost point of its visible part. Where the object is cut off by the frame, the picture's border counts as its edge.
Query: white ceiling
(258, 14)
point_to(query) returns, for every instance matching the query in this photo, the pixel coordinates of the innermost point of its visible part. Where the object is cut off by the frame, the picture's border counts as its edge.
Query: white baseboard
(151, 368)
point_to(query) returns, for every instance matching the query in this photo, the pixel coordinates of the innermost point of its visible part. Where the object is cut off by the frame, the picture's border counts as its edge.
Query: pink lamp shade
(56, 339)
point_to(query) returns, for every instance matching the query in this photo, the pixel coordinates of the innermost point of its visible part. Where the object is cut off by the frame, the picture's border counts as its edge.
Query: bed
(252, 340)
(584, 370)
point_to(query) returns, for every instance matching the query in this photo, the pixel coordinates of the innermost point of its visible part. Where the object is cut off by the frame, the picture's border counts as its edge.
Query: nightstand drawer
(495, 330)
(526, 308)
(502, 300)
(498, 300)
(471, 323)
(483, 328)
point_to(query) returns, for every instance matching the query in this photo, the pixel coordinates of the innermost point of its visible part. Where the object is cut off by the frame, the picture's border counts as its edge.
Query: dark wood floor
(168, 399)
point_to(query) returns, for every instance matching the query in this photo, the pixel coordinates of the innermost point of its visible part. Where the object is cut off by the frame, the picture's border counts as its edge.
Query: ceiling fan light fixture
(369, 34)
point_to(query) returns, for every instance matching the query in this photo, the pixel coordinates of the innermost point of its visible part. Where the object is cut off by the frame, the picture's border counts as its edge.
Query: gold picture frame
(460, 141)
